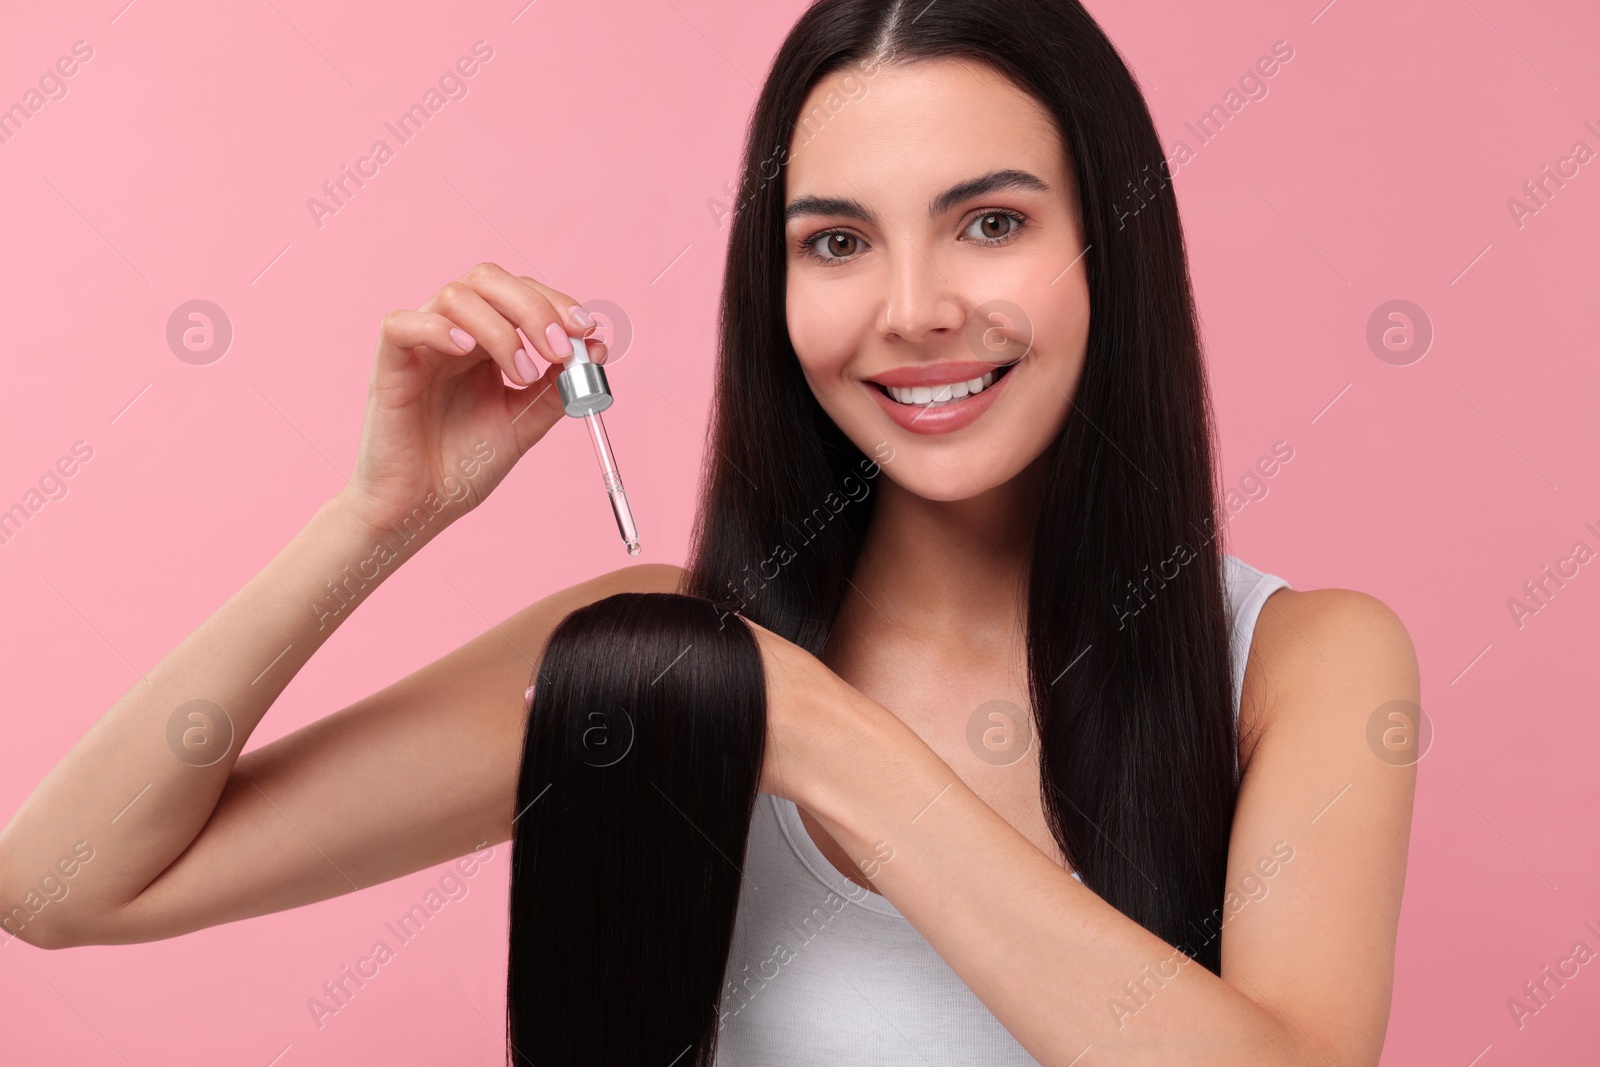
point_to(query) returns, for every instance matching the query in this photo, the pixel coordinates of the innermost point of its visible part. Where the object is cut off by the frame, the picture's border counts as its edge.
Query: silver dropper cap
(582, 384)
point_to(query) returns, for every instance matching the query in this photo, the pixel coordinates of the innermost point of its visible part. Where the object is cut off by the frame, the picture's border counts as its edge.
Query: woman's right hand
(440, 419)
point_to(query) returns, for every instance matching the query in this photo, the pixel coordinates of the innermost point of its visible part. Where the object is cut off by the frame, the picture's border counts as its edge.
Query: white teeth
(934, 395)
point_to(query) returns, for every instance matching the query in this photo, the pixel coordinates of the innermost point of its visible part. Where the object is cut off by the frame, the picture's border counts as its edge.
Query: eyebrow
(994, 181)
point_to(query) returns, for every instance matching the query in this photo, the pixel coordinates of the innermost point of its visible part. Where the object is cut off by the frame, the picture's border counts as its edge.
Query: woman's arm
(407, 778)
(417, 773)
(138, 786)
(1307, 951)
(152, 824)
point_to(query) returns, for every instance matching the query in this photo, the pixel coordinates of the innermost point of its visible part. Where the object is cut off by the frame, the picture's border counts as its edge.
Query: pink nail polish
(524, 365)
(528, 696)
(580, 316)
(560, 343)
(463, 339)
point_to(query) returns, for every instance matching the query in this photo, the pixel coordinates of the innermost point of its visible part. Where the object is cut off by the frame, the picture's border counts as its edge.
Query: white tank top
(823, 971)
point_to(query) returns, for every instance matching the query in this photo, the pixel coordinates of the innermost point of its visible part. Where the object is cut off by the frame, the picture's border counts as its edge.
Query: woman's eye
(993, 226)
(836, 245)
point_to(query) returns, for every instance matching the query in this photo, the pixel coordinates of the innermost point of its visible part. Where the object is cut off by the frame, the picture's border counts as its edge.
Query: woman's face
(933, 238)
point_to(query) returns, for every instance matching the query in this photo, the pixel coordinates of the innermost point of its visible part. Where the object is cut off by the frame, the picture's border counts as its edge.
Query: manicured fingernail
(528, 696)
(524, 365)
(560, 343)
(463, 339)
(580, 316)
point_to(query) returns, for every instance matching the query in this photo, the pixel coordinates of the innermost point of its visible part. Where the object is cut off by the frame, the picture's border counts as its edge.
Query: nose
(922, 303)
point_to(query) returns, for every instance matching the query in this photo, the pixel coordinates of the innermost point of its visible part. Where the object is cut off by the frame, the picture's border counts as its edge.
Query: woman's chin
(941, 484)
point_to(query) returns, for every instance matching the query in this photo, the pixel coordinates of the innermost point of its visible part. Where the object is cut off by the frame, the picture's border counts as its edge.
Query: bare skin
(426, 769)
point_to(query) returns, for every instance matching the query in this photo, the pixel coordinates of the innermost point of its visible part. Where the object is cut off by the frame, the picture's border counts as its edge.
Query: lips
(941, 394)
(931, 374)
(942, 380)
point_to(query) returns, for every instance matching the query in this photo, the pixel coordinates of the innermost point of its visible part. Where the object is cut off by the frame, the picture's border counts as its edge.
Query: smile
(932, 400)
(934, 395)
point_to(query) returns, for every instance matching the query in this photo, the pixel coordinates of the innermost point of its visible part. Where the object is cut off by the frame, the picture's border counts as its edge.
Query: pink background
(178, 167)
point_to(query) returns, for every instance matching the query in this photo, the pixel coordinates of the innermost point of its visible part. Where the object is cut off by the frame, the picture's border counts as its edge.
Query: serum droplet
(633, 548)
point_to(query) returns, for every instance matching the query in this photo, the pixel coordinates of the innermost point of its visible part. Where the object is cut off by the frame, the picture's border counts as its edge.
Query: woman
(946, 492)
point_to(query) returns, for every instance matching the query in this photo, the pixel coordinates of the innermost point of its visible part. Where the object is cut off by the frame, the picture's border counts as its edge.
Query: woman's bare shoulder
(1309, 639)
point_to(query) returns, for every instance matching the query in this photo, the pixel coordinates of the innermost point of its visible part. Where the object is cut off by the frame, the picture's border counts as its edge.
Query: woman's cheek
(1060, 331)
(824, 339)
(808, 331)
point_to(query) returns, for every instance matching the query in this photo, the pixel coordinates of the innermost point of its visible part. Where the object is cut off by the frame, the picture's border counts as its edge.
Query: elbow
(59, 935)
(38, 934)
(25, 918)
(34, 912)
(56, 927)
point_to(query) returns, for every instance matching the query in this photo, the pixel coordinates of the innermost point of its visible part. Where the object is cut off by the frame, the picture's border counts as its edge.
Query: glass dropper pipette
(585, 393)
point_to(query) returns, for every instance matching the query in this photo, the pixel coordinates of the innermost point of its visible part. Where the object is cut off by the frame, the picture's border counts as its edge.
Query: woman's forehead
(915, 129)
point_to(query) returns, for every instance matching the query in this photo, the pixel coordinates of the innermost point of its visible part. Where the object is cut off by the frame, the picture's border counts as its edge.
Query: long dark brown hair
(1138, 738)
(641, 758)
